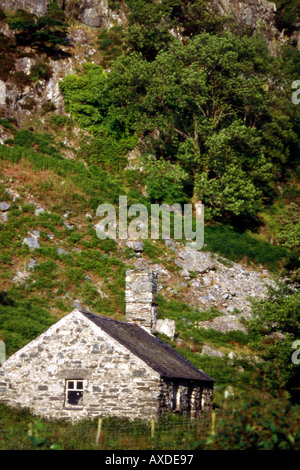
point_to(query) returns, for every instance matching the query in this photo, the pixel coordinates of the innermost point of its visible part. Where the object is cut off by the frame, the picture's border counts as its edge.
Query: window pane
(70, 385)
(75, 398)
(79, 385)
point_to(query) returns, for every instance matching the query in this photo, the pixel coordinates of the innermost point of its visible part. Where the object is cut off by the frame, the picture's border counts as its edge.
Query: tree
(274, 329)
(44, 33)
(211, 108)
(206, 106)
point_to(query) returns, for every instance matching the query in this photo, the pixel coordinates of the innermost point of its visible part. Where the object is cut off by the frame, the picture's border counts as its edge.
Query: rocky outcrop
(206, 282)
(2, 94)
(166, 327)
(38, 7)
(97, 14)
(224, 324)
(93, 13)
(195, 261)
(251, 13)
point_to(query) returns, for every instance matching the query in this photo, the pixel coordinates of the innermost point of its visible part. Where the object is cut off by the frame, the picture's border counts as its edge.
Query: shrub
(257, 422)
(40, 70)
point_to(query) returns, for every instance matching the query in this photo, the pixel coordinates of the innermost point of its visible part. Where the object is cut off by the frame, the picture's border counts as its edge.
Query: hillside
(163, 103)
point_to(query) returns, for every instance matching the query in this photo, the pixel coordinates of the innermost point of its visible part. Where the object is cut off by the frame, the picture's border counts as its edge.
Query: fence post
(98, 435)
(29, 429)
(152, 427)
(213, 422)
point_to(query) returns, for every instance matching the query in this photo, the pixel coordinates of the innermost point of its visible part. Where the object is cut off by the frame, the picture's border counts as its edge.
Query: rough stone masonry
(86, 365)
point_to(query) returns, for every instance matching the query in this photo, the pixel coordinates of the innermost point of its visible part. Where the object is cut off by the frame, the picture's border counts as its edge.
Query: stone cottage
(87, 365)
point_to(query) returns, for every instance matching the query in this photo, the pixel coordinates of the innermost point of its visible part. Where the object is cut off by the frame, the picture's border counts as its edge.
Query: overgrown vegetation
(256, 423)
(207, 112)
(45, 34)
(212, 135)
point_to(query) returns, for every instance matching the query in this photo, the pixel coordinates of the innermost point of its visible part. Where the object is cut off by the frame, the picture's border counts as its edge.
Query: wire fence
(108, 434)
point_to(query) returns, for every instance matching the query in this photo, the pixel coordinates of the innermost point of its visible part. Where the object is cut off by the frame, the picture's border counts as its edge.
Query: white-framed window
(74, 393)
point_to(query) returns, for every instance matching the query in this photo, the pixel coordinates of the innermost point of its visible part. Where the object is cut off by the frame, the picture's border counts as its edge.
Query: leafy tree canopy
(216, 108)
(44, 33)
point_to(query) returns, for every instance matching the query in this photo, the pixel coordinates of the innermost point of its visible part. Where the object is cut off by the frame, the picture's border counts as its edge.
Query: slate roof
(152, 350)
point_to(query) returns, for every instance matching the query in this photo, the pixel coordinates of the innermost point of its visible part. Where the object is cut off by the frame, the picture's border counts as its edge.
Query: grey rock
(184, 273)
(210, 351)
(231, 309)
(195, 261)
(232, 355)
(206, 281)
(31, 242)
(39, 211)
(90, 17)
(167, 327)
(170, 244)
(33, 263)
(135, 245)
(24, 64)
(37, 7)
(68, 226)
(34, 233)
(77, 305)
(2, 94)
(4, 217)
(60, 251)
(4, 206)
(60, 68)
(224, 324)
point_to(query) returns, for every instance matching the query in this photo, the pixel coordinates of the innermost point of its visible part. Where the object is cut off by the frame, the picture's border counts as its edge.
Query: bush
(257, 422)
(21, 321)
(40, 70)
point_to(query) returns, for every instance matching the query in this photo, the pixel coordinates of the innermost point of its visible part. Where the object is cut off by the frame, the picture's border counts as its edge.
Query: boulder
(60, 251)
(4, 217)
(31, 242)
(167, 327)
(32, 264)
(68, 226)
(4, 206)
(135, 245)
(39, 211)
(195, 261)
(210, 351)
(224, 324)
(2, 94)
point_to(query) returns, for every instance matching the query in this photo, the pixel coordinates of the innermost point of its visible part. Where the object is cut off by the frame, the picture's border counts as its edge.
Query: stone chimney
(140, 298)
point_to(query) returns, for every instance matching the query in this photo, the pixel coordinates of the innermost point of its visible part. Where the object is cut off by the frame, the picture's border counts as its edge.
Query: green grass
(236, 246)
(21, 321)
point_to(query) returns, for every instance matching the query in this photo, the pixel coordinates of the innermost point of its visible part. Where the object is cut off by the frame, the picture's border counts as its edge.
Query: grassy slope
(41, 169)
(93, 271)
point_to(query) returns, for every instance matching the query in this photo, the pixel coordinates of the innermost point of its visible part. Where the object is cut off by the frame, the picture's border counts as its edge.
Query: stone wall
(140, 297)
(185, 397)
(115, 382)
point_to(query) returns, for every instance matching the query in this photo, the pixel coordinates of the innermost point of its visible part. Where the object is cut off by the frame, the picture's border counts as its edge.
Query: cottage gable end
(76, 357)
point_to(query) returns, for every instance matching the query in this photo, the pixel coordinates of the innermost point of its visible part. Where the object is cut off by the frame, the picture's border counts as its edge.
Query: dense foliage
(287, 13)
(211, 116)
(46, 33)
(274, 329)
(206, 111)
